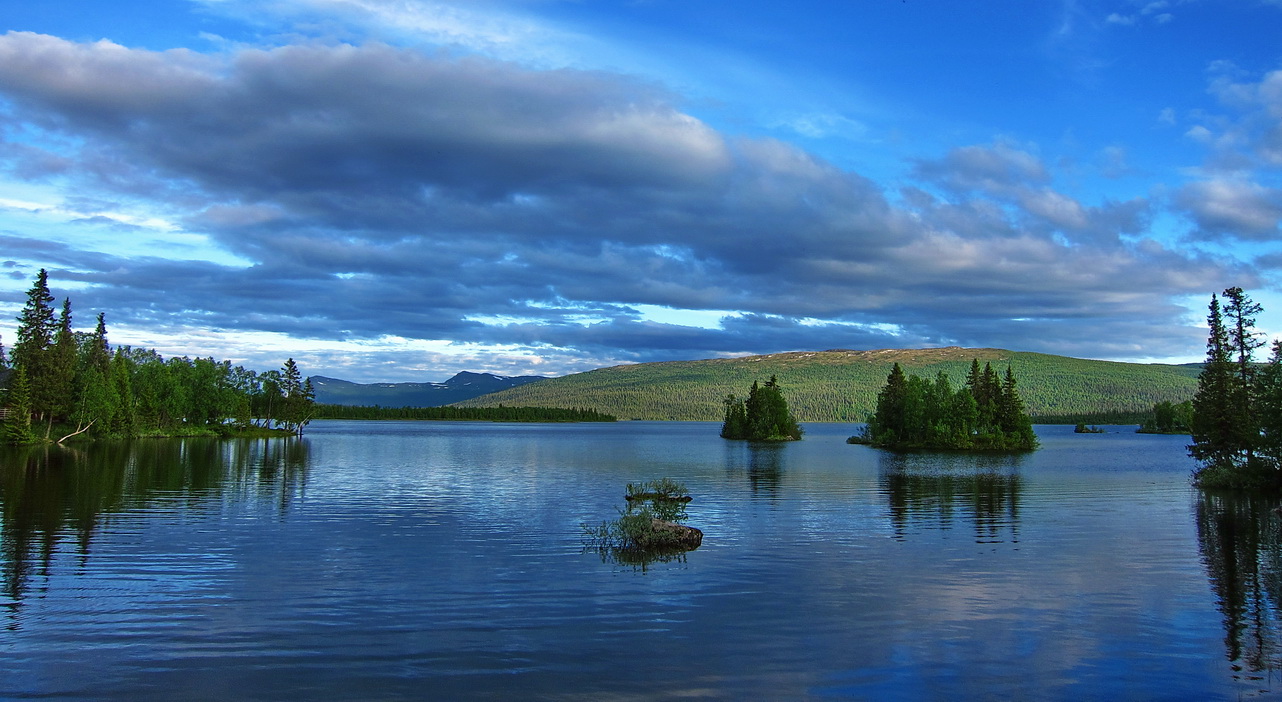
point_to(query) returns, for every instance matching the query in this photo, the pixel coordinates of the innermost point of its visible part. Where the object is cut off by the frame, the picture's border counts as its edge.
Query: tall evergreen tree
(4, 361)
(1239, 320)
(1212, 402)
(17, 399)
(59, 389)
(1230, 420)
(36, 327)
(99, 353)
(735, 425)
(889, 422)
(1015, 421)
(1269, 408)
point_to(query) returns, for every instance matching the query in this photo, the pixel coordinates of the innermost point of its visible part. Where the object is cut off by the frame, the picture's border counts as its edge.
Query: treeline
(61, 383)
(1237, 411)
(987, 413)
(449, 413)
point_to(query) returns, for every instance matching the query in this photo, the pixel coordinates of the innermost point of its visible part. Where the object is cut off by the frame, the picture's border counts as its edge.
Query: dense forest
(448, 413)
(762, 416)
(61, 383)
(1237, 410)
(842, 386)
(986, 413)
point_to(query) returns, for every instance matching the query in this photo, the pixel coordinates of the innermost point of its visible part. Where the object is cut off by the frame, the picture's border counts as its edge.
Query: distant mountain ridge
(842, 385)
(463, 386)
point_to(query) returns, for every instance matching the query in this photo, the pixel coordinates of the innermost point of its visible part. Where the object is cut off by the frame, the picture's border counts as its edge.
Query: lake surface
(431, 560)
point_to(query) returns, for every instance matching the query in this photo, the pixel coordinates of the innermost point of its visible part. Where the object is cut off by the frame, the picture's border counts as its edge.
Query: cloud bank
(378, 191)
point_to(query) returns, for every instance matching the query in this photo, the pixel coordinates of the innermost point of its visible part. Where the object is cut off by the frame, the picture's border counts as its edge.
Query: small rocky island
(649, 529)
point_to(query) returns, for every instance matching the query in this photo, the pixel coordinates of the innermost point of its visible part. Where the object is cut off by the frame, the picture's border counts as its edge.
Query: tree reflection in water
(930, 489)
(761, 461)
(1240, 537)
(52, 494)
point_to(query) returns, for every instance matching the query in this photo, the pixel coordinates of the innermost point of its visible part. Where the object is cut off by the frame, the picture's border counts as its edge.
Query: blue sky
(393, 190)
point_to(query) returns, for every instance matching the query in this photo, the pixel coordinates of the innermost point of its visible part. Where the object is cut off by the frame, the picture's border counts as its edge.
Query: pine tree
(1015, 422)
(1269, 408)
(735, 425)
(888, 424)
(1239, 320)
(1215, 430)
(17, 427)
(35, 336)
(58, 388)
(99, 353)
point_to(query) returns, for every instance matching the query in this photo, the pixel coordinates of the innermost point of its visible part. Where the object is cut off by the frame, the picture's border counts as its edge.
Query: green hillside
(842, 385)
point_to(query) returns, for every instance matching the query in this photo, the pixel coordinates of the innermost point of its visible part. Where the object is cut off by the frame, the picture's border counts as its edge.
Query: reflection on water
(762, 463)
(50, 494)
(1241, 542)
(929, 490)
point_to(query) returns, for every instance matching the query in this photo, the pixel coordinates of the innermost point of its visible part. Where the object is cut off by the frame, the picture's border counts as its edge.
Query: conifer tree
(1217, 439)
(1239, 321)
(735, 425)
(1269, 409)
(99, 353)
(888, 423)
(17, 426)
(1015, 422)
(36, 328)
(58, 387)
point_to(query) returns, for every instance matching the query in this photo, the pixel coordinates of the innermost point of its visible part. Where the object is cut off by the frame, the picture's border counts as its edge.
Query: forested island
(986, 414)
(763, 416)
(61, 383)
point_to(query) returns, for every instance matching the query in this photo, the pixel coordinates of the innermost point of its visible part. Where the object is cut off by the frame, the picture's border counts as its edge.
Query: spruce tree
(1239, 321)
(1269, 408)
(1215, 404)
(735, 425)
(99, 353)
(36, 328)
(17, 426)
(1015, 422)
(58, 389)
(888, 423)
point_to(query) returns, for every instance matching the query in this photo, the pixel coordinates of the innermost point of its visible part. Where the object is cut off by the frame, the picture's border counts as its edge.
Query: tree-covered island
(59, 383)
(986, 414)
(764, 416)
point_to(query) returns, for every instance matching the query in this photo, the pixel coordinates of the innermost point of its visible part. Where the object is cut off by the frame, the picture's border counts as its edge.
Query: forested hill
(842, 385)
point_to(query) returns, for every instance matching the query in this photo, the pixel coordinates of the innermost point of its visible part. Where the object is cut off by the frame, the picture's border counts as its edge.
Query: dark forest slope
(842, 385)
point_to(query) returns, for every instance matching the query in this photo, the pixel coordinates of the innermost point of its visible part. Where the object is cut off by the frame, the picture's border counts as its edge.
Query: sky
(398, 190)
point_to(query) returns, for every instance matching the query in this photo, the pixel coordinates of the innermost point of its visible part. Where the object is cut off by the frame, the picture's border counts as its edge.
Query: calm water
(388, 561)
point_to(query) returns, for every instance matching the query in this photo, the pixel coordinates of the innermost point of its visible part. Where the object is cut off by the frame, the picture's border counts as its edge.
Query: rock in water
(686, 537)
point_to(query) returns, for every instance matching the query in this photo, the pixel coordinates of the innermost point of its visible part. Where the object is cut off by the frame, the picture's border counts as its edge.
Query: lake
(441, 560)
